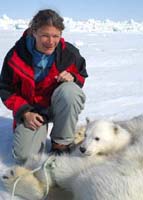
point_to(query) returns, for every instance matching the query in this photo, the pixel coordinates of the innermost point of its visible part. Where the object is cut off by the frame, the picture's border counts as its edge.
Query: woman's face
(47, 39)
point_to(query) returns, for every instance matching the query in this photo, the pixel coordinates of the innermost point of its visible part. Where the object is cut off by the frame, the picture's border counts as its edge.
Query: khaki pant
(66, 104)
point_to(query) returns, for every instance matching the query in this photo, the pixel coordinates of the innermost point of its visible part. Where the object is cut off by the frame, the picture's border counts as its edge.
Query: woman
(41, 82)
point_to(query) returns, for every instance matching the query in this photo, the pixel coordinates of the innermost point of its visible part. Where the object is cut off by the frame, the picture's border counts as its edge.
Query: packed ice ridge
(90, 25)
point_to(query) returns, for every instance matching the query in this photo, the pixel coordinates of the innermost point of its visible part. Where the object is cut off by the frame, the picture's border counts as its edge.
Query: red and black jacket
(18, 89)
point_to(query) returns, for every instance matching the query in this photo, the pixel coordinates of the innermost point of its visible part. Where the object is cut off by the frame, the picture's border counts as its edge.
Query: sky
(76, 9)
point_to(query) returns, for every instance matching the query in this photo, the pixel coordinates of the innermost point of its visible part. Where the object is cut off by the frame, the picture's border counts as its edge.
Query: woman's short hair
(46, 17)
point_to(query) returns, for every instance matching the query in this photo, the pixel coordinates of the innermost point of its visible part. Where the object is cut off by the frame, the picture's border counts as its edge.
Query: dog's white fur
(67, 171)
(120, 177)
(34, 188)
(35, 192)
(104, 137)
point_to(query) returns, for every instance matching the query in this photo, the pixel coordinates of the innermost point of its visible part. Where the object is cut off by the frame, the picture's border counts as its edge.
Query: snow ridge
(90, 25)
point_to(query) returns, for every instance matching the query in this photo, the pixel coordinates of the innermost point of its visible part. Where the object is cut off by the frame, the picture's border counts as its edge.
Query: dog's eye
(11, 172)
(97, 138)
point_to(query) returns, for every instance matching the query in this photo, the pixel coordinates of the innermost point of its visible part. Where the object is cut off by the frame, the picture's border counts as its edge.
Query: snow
(113, 89)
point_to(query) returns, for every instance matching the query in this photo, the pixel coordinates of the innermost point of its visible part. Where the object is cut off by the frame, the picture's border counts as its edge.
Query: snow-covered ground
(114, 88)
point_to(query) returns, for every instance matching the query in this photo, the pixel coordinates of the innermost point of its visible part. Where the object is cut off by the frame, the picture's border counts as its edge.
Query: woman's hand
(33, 120)
(65, 77)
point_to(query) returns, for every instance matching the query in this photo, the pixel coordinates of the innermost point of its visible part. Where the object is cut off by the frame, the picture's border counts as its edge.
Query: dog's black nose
(82, 149)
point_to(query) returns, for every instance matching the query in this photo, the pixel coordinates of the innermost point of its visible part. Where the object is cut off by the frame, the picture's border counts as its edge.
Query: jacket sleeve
(78, 70)
(9, 90)
(81, 74)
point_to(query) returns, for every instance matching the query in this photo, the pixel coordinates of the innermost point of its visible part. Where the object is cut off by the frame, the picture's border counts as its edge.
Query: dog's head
(103, 137)
(21, 182)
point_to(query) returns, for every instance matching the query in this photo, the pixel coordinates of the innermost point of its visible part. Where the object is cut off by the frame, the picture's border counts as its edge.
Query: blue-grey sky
(76, 9)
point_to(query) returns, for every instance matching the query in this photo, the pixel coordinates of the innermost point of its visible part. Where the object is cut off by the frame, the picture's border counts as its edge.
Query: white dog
(103, 139)
(120, 177)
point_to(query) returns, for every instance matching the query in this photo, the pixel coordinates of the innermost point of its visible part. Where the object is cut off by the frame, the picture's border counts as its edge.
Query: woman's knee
(20, 153)
(27, 142)
(69, 93)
